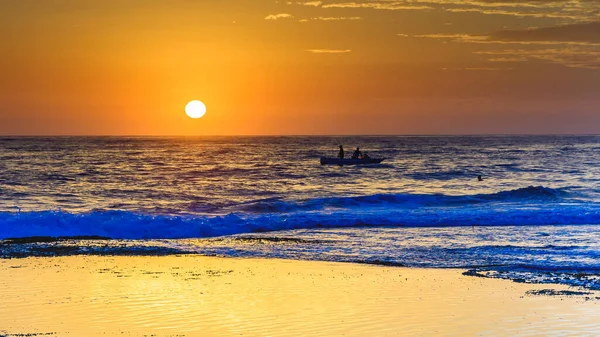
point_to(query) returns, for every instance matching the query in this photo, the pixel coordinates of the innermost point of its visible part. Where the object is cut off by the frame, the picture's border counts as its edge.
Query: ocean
(535, 217)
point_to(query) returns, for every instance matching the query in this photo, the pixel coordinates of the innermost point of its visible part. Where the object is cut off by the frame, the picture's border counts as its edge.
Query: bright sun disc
(195, 109)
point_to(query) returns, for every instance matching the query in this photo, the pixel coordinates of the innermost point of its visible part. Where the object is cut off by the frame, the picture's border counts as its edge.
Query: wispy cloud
(571, 10)
(582, 32)
(465, 38)
(508, 59)
(382, 5)
(575, 45)
(486, 69)
(559, 9)
(569, 57)
(534, 14)
(336, 18)
(311, 3)
(279, 16)
(329, 51)
(573, 42)
(478, 69)
(516, 38)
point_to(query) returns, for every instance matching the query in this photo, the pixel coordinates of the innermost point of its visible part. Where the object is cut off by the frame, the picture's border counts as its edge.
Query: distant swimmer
(356, 154)
(341, 154)
(479, 178)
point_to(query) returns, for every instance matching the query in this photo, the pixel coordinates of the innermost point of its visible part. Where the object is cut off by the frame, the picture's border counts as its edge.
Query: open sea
(534, 218)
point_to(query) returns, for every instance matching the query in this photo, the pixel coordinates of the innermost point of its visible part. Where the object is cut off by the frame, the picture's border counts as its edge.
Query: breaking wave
(521, 207)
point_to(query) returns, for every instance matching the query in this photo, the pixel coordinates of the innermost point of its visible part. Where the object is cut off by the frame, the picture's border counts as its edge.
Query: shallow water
(534, 254)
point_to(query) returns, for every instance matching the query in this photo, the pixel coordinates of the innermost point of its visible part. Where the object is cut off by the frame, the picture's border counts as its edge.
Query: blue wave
(522, 207)
(531, 193)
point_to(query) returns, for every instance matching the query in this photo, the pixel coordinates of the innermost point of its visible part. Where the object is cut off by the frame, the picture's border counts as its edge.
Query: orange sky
(128, 67)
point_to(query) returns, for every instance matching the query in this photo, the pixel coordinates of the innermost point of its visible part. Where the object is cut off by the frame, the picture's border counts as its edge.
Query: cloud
(576, 10)
(583, 32)
(329, 51)
(279, 16)
(571, 10)
(507, 3)
(486, 69)
(336, 18)
(574, 45)
(587, 34)
(508, 59)
(534, 14)
(383, 5)
(464, 38)
(477, 69)
(311, 3)
(578, 57)
(331, 18)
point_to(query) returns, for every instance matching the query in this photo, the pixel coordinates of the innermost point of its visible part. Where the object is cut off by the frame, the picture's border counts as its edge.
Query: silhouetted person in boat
(356, 154)
(479, 178)
(341, 154)
(365, 156)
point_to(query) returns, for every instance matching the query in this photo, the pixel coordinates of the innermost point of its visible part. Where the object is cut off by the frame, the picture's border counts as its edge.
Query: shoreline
(517, 262)
(194, 295)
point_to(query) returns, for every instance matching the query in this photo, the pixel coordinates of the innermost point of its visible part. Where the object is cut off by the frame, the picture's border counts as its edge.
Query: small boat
(338, 161)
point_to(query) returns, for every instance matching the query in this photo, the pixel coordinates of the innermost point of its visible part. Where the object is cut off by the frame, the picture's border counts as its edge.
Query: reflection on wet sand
(209, 296)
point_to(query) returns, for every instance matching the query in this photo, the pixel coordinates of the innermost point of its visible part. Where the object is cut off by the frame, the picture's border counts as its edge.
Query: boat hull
(341, 162)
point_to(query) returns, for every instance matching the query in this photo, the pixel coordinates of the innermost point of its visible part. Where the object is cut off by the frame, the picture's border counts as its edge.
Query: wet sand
(210, 296)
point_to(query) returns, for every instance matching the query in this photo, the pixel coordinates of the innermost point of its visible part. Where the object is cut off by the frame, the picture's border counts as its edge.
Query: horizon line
(303, 135)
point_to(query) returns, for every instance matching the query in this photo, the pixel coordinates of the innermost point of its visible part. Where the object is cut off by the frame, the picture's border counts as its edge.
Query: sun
(195, 109)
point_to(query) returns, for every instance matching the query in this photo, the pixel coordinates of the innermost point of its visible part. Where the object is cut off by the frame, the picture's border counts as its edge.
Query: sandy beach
(190, 295)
